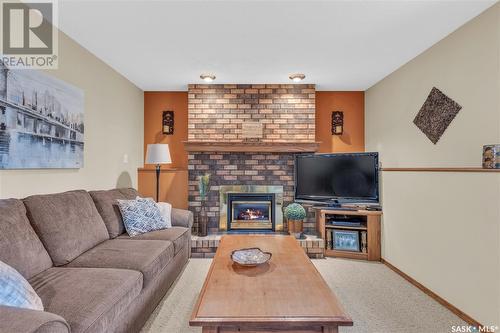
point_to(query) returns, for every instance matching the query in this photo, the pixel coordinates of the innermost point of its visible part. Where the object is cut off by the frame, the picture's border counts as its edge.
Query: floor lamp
(158, 154)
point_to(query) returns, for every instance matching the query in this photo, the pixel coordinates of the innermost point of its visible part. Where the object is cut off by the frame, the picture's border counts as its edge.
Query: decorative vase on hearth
(296, 228)
(203, 187)
(202, 221)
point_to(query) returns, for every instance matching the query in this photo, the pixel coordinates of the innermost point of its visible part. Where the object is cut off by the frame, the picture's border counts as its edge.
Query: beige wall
(442, 229)
(113, 127)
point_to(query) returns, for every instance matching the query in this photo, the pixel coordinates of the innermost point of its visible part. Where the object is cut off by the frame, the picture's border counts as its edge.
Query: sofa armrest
(31, 321)
(182, 218)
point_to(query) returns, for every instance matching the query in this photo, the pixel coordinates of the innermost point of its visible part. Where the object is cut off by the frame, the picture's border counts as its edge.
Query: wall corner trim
(462, 315)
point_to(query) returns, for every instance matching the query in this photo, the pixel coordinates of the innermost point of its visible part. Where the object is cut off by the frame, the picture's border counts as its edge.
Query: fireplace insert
(250, 211)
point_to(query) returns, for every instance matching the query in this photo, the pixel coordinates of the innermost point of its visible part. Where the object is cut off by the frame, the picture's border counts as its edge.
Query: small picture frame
(167, 122)
(337, 122)
(491, 156)
(346, 240)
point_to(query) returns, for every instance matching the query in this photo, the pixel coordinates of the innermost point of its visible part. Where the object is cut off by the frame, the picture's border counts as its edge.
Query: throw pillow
(16, 291)
(141, 215)
(166, 211)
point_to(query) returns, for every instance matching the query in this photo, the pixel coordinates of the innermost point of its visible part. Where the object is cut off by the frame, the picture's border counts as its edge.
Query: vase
(295, 228)
(202, 222)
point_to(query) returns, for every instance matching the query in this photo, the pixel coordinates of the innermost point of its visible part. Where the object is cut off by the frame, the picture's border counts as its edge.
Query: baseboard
(465, 317)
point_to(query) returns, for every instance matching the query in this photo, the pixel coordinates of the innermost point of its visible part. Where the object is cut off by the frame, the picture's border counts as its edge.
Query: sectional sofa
(91, 276)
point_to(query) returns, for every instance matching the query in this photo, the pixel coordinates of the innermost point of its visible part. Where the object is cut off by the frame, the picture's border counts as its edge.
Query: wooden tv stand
(370, 224)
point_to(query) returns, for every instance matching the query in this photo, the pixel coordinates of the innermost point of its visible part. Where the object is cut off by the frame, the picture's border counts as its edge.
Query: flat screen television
(337, 178)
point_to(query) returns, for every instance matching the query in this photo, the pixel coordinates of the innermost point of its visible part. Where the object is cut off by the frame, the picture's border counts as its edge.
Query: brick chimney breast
(216, 112)
(217, 145)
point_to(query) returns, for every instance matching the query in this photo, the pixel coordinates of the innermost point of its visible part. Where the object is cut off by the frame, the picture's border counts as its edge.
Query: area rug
(377, 299)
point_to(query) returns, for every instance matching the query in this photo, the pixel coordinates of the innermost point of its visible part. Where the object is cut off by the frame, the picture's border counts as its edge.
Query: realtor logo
(29, 39)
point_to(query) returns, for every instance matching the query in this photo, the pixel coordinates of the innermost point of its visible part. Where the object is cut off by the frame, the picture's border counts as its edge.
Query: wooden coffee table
(287, 294)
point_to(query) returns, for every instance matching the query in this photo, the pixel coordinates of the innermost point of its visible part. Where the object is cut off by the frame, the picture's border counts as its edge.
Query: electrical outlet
(125, 158)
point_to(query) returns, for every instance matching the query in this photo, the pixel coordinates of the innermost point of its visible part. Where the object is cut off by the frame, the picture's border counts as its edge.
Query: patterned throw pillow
(16, 291)
(141, 215)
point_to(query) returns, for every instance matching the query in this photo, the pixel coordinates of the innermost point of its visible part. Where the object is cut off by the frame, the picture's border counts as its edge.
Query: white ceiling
(339, 45)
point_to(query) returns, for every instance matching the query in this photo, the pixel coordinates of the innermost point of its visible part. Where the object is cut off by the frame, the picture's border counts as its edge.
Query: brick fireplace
(263, 165)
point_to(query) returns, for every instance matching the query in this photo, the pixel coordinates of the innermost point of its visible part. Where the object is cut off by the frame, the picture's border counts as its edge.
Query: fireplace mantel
(251, 147)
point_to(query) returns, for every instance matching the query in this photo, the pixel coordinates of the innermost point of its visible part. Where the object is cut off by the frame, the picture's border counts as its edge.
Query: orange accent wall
(173, 183)
(173, 186)
(352, 103)
(155, 102)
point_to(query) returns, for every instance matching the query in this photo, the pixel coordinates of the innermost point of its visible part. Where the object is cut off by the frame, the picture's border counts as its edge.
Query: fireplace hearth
(250, 211)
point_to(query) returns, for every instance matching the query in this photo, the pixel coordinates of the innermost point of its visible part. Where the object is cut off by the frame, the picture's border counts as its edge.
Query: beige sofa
(91, 276)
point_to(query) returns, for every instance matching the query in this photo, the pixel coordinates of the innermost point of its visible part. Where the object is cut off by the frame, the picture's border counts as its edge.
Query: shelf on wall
(161, 170)
(463, 169)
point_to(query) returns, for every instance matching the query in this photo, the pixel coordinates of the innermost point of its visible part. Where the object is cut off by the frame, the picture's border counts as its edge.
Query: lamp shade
(158, 153)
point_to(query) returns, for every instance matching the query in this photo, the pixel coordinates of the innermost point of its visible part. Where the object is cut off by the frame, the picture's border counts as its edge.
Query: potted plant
(203, 182)
(295, 215)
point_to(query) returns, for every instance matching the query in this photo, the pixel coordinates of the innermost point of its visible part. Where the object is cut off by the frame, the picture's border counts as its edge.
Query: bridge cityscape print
(41, 121)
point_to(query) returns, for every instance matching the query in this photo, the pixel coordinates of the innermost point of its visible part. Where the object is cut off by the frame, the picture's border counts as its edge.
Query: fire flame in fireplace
(251, 214)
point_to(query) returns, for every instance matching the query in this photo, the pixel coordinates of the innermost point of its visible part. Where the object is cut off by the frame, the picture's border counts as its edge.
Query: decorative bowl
(250, 257)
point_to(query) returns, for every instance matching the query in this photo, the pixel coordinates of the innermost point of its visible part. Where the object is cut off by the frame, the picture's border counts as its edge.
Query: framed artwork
(436, 114)
(41, 121)
(491, 156)
(337, 122)
(168, 122)
(346, 240)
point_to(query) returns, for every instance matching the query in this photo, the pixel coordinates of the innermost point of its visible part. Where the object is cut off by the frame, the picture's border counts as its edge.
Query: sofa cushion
(20, 247)
(68, 224)
(107, 205)
(90, 299)
(178, 235)
(148, 257)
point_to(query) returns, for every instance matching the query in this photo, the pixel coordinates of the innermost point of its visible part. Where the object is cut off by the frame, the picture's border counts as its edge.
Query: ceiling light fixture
(297, 77)
(207, 77)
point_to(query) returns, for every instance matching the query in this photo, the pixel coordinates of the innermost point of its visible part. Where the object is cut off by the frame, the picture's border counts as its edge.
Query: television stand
(330, 222)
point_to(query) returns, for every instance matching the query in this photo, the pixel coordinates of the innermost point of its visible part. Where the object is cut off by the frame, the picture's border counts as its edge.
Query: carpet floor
(377, 299)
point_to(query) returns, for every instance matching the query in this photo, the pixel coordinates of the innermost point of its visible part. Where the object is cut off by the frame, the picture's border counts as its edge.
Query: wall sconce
(168, 122)
(337, 122)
